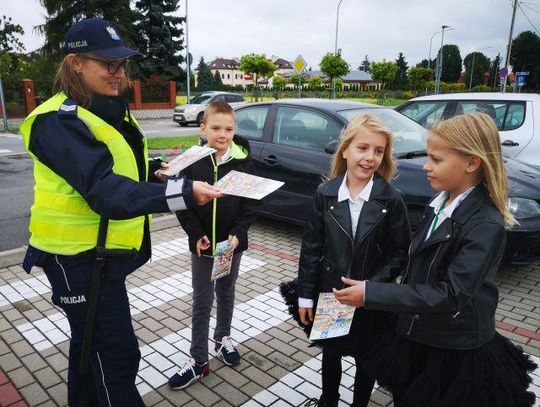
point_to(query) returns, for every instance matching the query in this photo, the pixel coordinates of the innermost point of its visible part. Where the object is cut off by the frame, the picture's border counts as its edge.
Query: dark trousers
(114, 360)
(331, 378)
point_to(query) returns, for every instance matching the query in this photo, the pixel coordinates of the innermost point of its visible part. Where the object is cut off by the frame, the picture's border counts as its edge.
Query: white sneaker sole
(195, 379)
(222, 358)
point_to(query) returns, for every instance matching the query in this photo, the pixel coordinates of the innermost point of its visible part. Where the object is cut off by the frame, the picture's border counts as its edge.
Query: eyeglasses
(112, 66)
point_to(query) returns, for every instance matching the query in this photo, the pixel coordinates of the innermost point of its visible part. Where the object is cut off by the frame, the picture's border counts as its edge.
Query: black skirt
(494, 375)
(366, 329)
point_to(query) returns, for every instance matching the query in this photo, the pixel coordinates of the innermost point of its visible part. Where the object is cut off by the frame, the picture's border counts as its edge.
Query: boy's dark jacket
(234, 214)
(378, 252)
(449, 294)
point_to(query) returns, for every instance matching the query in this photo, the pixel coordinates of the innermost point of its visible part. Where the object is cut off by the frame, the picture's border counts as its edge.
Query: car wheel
(199, 118)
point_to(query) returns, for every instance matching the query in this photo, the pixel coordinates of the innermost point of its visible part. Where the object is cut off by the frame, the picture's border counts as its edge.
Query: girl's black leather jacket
(378, 251)
(448, 295)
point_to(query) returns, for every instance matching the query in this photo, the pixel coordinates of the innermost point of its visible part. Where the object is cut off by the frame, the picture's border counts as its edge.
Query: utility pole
(335, 48)
(188, 62)
(3, 105)
(509, 47)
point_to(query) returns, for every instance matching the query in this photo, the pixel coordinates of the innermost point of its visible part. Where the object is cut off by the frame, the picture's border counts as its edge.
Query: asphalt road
(17, 182)
(166, 128)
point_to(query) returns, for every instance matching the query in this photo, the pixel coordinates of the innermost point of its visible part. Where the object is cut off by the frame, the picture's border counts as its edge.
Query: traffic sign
(526, 73)
(503, 72)
(299, 64)
(520, 80)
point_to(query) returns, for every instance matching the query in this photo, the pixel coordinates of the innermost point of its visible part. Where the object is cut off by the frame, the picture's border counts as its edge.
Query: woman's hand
(204, 192)
(353, 295)
(202, 244)
(159, 175)
(306, 315)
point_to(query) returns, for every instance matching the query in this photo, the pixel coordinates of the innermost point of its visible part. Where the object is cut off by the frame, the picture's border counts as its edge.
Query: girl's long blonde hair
(72, 83)
(476, 134)
(372, 123)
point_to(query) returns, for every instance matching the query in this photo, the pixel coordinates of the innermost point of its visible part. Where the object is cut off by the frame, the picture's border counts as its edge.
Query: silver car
(193, 113)
(517, 116)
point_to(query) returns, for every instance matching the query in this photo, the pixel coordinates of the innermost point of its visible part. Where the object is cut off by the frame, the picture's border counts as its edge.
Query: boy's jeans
(203, 298)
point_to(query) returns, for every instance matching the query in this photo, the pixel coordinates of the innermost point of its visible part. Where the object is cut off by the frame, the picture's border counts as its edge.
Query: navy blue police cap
(97, 36)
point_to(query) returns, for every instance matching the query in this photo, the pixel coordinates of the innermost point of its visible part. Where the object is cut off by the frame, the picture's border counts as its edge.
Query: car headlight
(523, 208)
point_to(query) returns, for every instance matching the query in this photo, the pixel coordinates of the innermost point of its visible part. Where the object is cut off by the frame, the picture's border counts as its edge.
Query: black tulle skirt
(366, 328)
(494, 375)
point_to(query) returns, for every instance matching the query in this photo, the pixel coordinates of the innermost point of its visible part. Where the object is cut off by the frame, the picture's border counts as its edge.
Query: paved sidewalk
(278, 368)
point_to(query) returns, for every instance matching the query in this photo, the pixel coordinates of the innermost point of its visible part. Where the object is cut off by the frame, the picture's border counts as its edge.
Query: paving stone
(59, 393)
(9, 362)
(48, 378)
(231, 393)
(34, 394)
(21, 377)
(202, 394)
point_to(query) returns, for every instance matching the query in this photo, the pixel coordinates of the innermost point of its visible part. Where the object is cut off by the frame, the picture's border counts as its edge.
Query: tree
(419, 76)
(384, 71)
(205, 79)
(62, 14)
(400, 80)
(334, 66)
(162, 38)
(315, 82)
(9, 36)
(452, 63)
(257, 65)
(217, 82)
(494, 70)
(296, 77)
(526, 57)
(365, 65)
(481, 66)
(278, 83)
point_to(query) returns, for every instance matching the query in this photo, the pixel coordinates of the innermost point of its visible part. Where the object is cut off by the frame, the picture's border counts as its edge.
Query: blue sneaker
(189, 373)
(226, 351)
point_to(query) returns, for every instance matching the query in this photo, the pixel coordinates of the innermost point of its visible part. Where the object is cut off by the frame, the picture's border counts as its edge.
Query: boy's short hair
(218, 107)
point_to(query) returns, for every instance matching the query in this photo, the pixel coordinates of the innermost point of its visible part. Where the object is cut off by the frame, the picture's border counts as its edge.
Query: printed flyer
(332, 319)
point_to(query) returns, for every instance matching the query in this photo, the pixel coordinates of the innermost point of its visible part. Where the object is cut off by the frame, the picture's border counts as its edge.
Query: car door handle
(509, 143)
(271, 159)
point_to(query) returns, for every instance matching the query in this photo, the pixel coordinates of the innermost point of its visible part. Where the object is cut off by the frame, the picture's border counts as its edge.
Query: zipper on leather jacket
(348, 275)
(431, 264)
(414, 318)
(365, 257)
(408, 264)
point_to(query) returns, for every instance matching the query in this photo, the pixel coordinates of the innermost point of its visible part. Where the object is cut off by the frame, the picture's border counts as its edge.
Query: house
(354, 80)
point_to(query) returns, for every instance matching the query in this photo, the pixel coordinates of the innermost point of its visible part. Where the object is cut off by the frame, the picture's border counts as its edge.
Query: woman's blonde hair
(72, 83)
(477, 135)
(369, 122)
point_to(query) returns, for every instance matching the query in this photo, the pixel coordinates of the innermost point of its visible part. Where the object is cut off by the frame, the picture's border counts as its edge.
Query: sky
(288, 28)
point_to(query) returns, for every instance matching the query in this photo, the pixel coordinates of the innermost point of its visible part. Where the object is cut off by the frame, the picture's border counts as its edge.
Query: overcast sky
(380, 29)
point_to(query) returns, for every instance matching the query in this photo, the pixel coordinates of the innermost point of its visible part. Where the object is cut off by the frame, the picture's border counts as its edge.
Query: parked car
(293, 141)
(193, 113)
(517, 116)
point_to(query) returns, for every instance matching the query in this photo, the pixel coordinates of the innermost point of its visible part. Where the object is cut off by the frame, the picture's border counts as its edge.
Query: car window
(250, 122)
(515, 116)
(230, 98)
(238, 98)
(200, 99)
(218, 98)
(304, 128)
(408, 135)
(425, 113)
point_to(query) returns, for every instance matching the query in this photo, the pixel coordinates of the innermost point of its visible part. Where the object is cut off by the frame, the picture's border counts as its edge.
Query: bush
(458, 87)
(154, 89)
(482, 88)
(409, 94)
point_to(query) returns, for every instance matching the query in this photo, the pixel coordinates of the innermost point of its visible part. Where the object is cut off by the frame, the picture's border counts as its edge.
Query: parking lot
(277, 369)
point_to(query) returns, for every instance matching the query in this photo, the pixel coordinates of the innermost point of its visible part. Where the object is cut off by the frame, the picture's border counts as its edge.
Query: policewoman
(89, 224)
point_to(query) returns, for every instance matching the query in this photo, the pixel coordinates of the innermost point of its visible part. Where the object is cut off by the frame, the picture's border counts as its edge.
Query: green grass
(389, 101)
(169, 143)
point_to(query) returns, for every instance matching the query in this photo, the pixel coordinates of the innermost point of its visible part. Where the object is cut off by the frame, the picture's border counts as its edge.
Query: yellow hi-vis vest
(61, 221)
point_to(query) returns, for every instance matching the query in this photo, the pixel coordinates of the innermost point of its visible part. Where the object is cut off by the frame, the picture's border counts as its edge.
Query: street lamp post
(439, 69)
(188, 80)
(472, 66)
(335, 48)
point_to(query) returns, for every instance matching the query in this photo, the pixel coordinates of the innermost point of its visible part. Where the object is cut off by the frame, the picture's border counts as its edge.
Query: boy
(228, 219)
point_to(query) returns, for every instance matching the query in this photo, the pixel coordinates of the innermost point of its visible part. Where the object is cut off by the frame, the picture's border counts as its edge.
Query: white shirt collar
(226, 155)
(344, 193)
(439, 199)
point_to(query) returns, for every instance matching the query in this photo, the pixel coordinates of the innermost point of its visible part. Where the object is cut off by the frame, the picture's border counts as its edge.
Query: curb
(15, 256)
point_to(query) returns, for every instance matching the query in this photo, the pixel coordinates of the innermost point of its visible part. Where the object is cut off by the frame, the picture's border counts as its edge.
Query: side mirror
(331, 147)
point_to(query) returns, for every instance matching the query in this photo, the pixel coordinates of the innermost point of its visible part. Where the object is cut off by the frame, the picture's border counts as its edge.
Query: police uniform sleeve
(69, 149)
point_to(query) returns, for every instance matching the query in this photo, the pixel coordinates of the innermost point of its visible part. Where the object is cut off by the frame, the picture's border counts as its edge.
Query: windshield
(409, 136)
(200, 99)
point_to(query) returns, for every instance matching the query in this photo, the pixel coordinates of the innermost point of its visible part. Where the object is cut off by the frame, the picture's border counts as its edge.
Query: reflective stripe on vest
(61, 220)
